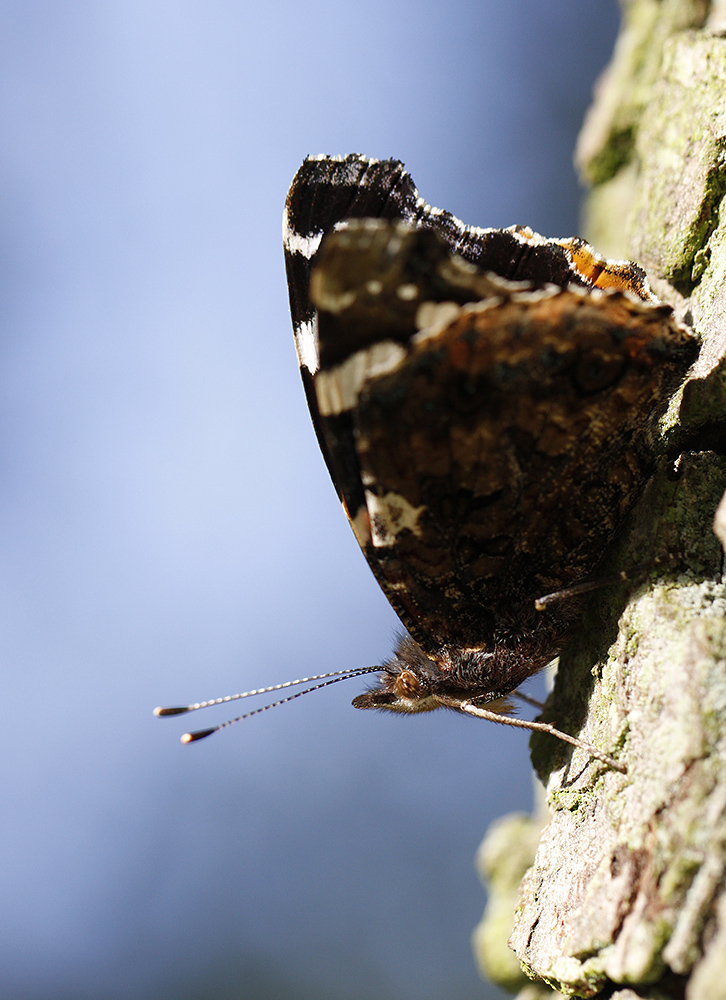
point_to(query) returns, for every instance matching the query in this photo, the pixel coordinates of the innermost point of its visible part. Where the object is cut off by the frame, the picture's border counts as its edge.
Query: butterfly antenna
(326, 679)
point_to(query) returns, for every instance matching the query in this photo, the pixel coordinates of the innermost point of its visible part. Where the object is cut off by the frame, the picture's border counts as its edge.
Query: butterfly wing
(486, 438)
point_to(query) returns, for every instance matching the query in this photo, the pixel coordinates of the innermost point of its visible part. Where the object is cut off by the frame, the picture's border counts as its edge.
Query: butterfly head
(412, 682)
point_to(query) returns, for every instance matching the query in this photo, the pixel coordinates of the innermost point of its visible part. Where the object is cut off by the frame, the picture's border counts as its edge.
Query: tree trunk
(625, 893)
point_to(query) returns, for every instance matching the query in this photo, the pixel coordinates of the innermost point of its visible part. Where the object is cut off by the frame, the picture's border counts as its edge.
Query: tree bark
(625, 893)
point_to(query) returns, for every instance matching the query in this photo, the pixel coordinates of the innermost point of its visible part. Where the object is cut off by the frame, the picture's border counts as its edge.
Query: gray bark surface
(625, 892)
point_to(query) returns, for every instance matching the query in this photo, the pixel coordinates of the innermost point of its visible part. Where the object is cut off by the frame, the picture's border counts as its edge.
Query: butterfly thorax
(412, 681)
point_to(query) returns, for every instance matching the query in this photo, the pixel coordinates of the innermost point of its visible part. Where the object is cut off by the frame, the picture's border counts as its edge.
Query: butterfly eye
(407, 685)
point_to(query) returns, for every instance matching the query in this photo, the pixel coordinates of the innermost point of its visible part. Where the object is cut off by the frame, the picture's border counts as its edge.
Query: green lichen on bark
(626, 891)
(616, 867)
(616, 893)
(502, 860)
(611, 126)
(681, 147)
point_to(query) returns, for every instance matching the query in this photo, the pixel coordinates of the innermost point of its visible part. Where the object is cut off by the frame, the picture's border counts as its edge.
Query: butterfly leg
(469, 708)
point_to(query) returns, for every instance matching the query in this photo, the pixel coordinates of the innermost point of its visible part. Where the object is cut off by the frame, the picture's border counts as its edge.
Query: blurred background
(169, 532)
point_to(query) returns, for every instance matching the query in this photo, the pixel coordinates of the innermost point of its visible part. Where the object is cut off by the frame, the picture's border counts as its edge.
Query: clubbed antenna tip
(198, 735)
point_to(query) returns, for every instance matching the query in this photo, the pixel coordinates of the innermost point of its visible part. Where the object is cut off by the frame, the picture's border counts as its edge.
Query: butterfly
(486, 402)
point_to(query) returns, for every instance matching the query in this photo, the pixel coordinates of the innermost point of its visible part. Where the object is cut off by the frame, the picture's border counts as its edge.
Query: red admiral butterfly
(486, 403)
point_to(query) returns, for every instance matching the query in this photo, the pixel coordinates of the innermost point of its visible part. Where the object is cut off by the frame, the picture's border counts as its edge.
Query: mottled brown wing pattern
(499, 442)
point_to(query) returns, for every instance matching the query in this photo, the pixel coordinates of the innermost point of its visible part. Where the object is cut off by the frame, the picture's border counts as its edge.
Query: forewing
(328, 190)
